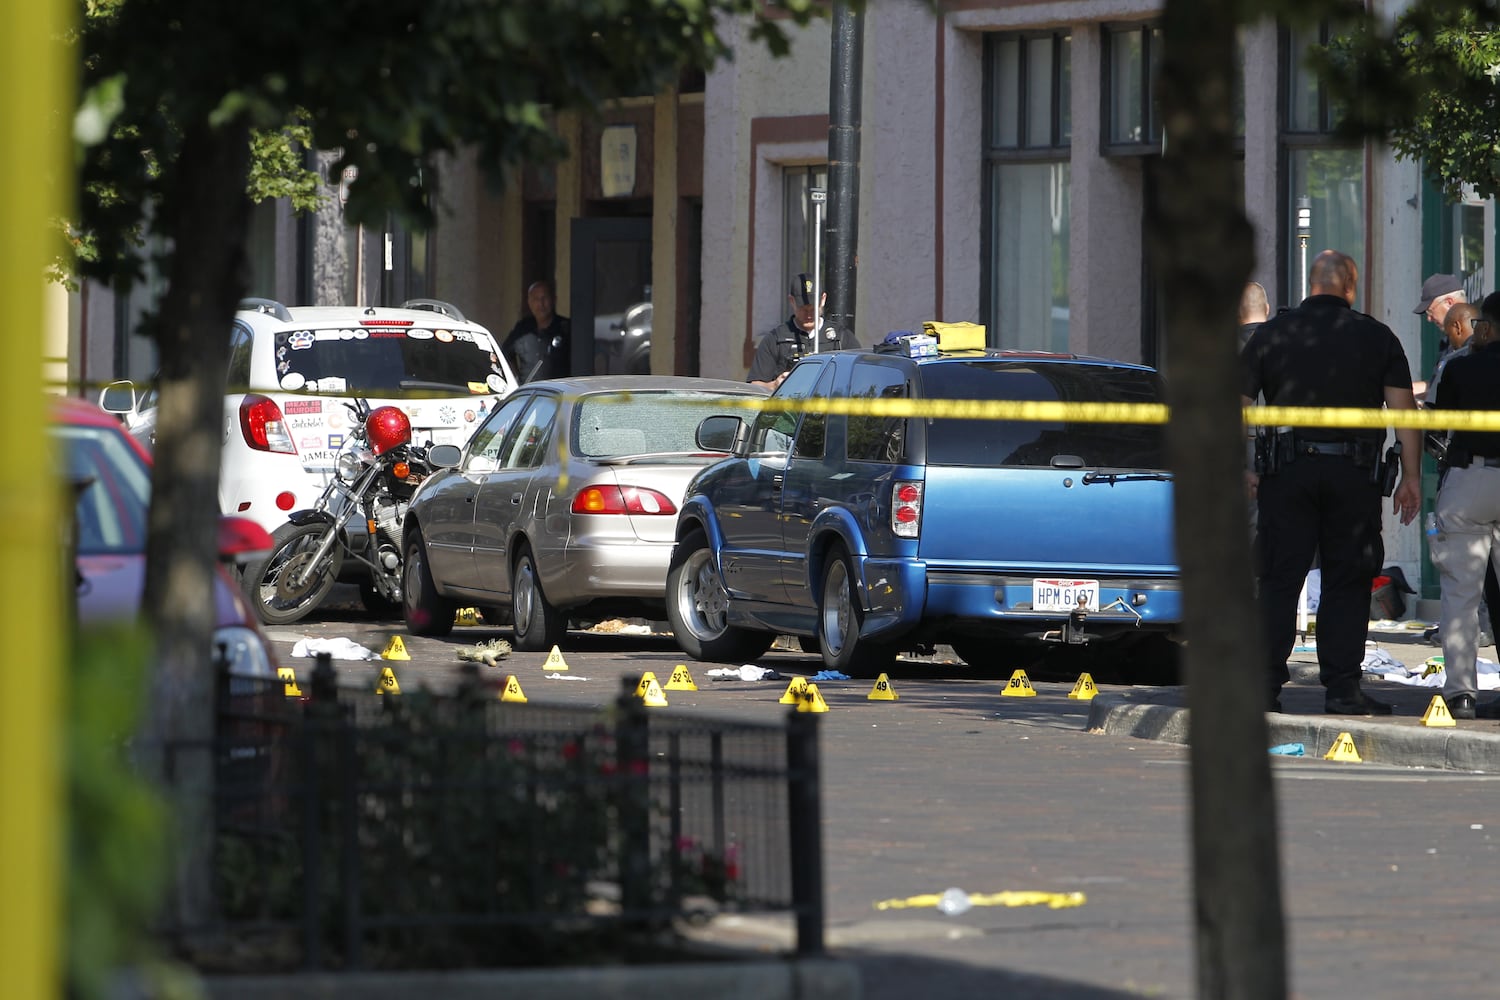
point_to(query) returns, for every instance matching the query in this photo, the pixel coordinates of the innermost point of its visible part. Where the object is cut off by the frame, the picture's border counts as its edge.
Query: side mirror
(117, 397)
(719, 433)
(444, 456)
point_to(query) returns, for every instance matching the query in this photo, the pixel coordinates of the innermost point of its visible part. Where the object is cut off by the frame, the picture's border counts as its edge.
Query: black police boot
(1461, 706)
(1354, 703)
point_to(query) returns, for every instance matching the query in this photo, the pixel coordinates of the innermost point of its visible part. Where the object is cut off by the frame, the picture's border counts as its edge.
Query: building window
(1323, 173)
(797, 223)
(1132, 120)
(1027, 135)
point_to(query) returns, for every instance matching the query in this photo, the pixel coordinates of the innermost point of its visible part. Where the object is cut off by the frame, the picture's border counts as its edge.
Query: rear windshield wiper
(1123, 477)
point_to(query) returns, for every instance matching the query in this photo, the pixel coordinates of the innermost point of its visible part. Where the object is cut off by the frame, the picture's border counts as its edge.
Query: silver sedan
(563, 504)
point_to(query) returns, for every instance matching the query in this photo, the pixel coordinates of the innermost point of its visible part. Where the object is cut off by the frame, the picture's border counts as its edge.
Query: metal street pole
(819, 199)
(845, 74)
(1304, 233)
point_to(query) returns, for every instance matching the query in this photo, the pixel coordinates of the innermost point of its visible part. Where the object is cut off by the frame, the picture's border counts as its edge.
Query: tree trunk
(206, 220)
(1202, 245)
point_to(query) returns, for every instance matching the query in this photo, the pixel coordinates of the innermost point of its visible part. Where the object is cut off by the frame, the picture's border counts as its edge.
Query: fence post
(805, 826)
(322, 710)
(632, 749)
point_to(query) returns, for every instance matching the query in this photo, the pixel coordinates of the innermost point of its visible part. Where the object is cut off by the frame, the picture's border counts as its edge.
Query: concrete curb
(767, 979)
(1380, 743)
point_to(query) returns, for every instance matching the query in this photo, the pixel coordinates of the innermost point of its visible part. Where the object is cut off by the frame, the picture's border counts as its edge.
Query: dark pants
(1322, 504)
(1492, 601)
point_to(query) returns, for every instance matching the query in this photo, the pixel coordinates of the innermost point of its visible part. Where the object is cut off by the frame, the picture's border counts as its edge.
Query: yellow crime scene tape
(1126, 413)
(1051, 900)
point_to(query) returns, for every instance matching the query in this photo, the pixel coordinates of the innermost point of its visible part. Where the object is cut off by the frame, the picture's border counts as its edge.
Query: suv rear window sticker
(419, 334)
(301, 340)
(292, 406)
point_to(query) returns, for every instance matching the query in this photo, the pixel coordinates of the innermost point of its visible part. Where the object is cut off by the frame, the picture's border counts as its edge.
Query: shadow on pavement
(901, 977)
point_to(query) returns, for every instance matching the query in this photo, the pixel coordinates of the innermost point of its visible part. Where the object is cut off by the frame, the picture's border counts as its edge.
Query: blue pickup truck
(869, 534)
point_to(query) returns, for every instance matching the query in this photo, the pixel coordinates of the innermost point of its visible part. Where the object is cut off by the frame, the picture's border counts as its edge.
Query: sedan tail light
(906, 508)
(263, 427)
(622, 500)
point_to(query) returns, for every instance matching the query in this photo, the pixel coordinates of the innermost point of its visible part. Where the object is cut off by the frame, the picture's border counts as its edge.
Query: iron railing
(358, 830)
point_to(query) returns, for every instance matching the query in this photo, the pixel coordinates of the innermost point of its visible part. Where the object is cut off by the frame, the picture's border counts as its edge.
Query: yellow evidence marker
(1085, 689)
(794, 691)
(395, 650)
(1437, 714)
(812, 700)
(681, 680)
(512, 690)
(649, 691)
(1019, 686)
(1343, 750)
(466, 616)
(555, 661)
(882, 691)
(387, 683)
(289, 678)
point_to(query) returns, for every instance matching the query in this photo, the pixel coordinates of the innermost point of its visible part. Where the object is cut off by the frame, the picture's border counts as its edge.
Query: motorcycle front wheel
(284, 587)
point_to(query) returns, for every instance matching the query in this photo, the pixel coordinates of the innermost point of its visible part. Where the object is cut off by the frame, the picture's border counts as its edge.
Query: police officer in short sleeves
(780, 348)
(1468, 512)
(1323, 496)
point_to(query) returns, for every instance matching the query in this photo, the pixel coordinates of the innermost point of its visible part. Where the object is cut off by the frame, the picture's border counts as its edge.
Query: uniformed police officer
(782, 346)
(1318, 488)
(1468, 512)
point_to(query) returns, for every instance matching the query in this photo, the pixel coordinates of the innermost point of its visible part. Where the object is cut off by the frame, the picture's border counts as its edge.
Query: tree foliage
(1429, 81)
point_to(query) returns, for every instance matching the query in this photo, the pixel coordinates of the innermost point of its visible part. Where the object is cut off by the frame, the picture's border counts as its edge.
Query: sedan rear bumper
(598, 568)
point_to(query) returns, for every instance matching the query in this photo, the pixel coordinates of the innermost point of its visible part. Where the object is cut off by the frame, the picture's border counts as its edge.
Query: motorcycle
(375, 476)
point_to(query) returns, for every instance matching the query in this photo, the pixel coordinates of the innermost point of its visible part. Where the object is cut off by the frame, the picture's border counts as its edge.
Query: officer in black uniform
(1468, 512)
(1318, 488)
(780, 348)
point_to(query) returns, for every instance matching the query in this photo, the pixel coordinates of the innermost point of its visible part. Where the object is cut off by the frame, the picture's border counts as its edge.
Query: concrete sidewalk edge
(1404, 746)
(763, 979)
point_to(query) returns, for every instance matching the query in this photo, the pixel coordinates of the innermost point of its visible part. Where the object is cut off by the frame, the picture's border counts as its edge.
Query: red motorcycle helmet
(387, 427)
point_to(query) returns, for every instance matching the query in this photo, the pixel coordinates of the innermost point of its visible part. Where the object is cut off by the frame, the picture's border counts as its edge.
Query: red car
(111, 473)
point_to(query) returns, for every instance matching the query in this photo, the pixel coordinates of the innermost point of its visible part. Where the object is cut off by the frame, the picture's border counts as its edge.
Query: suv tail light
(622, 500)
(906, 508)
(263, 427)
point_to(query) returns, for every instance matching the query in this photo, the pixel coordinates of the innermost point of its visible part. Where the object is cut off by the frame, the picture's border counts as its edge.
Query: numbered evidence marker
(1343, 750)
(681, 680)
(555, 661)
(1019, 686)
(649, 691)
(794, 691)
(1085, 689)
(395, 650)
(466, 616)
(289, 678)
(1437, 714)
(512, 690)
(387, 683)
(812, 700)
(882, 691)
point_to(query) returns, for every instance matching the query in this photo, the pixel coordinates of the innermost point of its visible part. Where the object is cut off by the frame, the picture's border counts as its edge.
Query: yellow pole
(36, 71)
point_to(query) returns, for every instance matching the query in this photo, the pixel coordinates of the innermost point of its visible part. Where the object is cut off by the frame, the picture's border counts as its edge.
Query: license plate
(1064, 595)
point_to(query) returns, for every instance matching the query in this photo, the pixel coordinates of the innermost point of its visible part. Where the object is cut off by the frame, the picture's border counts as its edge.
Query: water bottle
(1434, 527)
(953, 902)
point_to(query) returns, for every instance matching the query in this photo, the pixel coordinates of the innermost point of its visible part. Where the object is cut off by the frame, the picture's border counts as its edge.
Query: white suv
(291, 370)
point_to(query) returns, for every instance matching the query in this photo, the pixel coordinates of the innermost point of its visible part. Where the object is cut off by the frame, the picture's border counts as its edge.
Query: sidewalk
(1160, 713)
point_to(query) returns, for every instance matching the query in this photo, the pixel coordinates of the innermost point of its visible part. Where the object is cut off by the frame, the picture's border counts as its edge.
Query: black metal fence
(357, 830)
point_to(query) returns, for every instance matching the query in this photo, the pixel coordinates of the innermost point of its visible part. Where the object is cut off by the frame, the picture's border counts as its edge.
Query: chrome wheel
(838, 609)
(702, 599)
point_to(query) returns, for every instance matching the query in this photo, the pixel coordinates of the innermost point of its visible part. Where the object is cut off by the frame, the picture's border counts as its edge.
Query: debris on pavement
(340, 649)
(489, 652)
(956, 901)
(748, 672)
(1289, 749)
(829, 675)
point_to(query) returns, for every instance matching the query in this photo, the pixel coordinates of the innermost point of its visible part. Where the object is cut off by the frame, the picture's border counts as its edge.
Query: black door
(611, 276)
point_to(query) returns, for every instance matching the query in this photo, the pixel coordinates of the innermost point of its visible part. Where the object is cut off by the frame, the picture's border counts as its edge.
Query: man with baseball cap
(781, 347)
(1439, 294)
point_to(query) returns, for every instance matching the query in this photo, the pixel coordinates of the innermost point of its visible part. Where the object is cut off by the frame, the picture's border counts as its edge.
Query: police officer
(1318, 488)
(782, 346)
(1468, 511)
